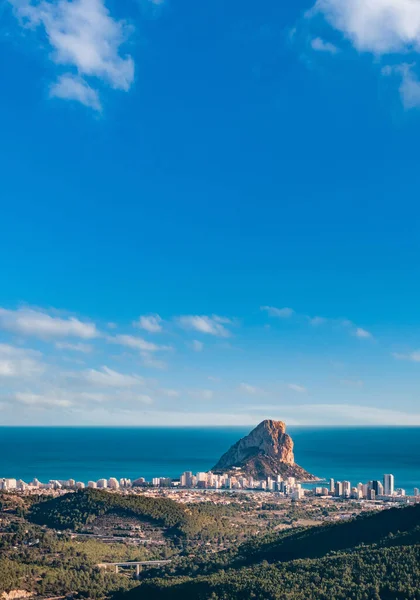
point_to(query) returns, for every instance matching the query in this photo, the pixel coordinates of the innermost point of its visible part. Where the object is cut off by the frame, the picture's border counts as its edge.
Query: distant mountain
(265, 452)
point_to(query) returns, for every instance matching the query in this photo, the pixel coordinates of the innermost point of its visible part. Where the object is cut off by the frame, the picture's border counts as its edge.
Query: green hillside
(373, 557)
(75, 510)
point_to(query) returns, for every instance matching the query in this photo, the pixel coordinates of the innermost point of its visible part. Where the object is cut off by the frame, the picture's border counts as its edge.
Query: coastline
(89, 453)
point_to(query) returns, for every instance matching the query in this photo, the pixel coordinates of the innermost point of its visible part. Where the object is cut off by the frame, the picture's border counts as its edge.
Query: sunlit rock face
(266, 451)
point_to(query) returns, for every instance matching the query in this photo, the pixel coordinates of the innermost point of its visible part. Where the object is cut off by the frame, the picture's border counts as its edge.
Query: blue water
(355, 454)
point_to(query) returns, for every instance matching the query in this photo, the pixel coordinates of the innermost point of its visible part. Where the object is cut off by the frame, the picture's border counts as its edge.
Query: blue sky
(209, 212)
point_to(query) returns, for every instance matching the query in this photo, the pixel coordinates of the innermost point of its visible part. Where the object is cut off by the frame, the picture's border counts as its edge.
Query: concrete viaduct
(137, 564)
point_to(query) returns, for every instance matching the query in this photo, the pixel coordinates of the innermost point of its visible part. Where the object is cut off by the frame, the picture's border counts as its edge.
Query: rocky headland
(265, 452)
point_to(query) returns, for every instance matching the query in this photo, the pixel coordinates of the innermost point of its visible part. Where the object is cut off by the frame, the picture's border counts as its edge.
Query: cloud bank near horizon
(66, 369)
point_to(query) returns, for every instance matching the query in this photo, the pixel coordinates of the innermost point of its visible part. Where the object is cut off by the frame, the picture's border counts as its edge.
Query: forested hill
(385, 527)
(374, 557)
(74, 510)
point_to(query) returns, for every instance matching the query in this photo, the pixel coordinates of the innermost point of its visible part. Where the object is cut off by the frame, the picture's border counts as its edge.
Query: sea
(90, 453)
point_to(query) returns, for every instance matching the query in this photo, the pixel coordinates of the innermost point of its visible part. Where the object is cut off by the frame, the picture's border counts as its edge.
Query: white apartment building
(389, 484)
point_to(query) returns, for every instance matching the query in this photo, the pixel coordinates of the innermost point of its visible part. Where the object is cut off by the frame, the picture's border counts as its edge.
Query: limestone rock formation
(265, 452)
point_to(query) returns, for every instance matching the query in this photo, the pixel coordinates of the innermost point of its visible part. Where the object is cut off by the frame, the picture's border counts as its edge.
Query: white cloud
(18, 362)
(40, 324)
(409, 83)
(108, 378)
(79, 347)
(144, 398)
(355, 414)
(148, 360)
(409, 87)
(64, 398)
(296, 388)
(320, 45)
(82, 35)
(13, 351)
(40, 400)
(283, 313)
(304, 414)
(174, 418)
(151, 323)
(335, 414)
(89, 396)
(378, 26)
(213, 325)
(170, 393)
(315, 321)
(151, 9)
(362, 333)
(249, 389)
(113, 399)
(137, 343)
(71, 87)
(16, 368)
(286, 313)
(202, 394)
(412, 356)
(197, 346)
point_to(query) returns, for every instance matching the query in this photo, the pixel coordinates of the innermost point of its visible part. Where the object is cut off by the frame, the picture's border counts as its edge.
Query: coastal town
(289, 487)
(261, 464)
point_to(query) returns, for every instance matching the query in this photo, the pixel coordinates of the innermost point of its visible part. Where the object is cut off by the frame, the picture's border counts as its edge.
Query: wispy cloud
(197, 346)
(73, 87)
(296, 388)
(411, 356)
(150, 323)
(151, 9)
(211, 325)
(84, 37)
(18, 362)
(410, 87)
(78, 347)
(201, 394)
(287, 313)
(362, 333)
(170, 393)
(137, 343)
(335, 414)
(321, 45)
(315, 321)
(63, 398)
(282, 313)
(106, 377)
(409, 83)
(248, 389)
(39, 400)
(358, 415)
(149, 361)
(43, 325)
